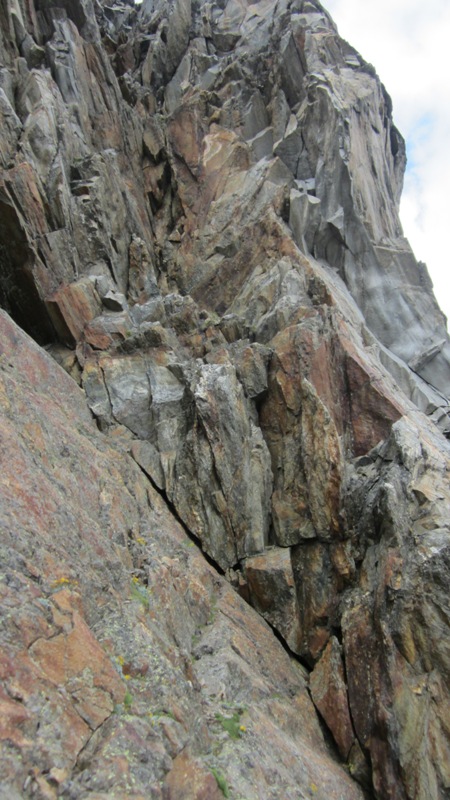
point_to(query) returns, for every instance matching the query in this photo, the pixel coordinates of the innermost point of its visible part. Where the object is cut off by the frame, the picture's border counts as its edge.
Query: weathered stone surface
(199, 219)
(228, 504)
(251, 362)
(189, 772)
(271, 588)
(78, 304)
(393, 623)
(329, 692)
(123, 652)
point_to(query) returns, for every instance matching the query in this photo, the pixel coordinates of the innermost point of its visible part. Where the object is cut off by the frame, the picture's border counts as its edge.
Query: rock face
(199, 222)
(129, 667)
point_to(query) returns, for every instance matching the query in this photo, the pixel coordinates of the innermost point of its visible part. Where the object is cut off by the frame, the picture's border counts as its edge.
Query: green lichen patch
(221, 782)
(232, 725)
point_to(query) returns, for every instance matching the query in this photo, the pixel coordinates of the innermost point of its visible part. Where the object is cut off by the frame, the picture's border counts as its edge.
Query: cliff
(224, 415)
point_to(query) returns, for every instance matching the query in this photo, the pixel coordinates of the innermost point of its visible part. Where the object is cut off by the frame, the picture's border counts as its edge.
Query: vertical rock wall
(199, 220)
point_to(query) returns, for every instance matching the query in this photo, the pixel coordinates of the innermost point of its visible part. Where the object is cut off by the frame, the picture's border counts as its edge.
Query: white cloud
(407, 41)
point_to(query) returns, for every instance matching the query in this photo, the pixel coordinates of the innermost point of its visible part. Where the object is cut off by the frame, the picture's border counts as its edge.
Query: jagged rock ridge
(199, 221)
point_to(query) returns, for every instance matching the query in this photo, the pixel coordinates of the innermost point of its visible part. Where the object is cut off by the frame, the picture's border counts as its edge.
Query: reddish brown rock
(329, 692)
(107, 330)
(75, 660)
(13, 715)
(23, 181)
(77, 304)
(373, 407)
(189, 778)
(323, 461)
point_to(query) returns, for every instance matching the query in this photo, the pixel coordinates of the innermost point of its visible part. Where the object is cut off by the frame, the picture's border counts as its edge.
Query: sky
(408, 42)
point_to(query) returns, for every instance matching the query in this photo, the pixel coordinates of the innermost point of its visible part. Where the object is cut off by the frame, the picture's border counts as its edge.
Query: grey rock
(145, 673)
(114, 301)
(304, 218)
(12, 126)
(151, 311)
(271, 586)
(226, 175)
(251, 362)
(227, 505)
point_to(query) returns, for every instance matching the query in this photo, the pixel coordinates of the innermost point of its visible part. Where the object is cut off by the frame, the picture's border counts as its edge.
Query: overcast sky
(408, 42)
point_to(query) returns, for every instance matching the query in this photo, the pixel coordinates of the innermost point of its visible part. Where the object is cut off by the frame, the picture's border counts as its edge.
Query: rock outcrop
(199, 222)
(129, 667)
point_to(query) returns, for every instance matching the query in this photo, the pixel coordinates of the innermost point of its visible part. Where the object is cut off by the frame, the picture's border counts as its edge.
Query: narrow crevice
(163, 494)
(328, 736)
(172, 508)
(303, 663)
(108, 394)
(326, 732)
(79, 767)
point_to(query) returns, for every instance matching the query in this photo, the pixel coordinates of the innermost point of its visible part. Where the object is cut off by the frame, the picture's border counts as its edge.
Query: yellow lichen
(64, 581)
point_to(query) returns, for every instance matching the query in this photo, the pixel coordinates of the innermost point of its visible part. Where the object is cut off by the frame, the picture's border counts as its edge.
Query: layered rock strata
(199, 221)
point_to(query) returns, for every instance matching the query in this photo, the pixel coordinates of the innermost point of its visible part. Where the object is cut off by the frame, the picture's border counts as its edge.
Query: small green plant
(156, 715)
(140, 594)
(221, 782)
(232, 725)
(127, 700)
(213, 610)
